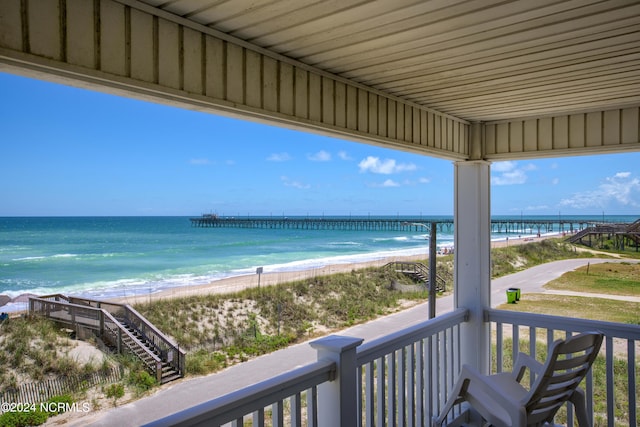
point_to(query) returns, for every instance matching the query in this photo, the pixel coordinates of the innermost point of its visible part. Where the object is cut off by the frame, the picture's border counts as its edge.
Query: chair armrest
(524, 361)
(485, 390)
(488, 387)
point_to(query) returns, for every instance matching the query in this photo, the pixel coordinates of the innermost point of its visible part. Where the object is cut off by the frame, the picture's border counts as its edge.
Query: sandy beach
(238, 283)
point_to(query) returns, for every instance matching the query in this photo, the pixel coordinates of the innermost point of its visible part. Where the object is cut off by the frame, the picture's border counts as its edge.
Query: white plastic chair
(503, 402)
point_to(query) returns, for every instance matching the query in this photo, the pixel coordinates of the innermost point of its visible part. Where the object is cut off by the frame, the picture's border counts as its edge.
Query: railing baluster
(296, 410)
(369, 394)
(457, 358)
(441, 391)
(359, 396)
(631, 374)
(257, 419)
(433, 401)
(533, 338)
(515, 343)
(380, 389)
(589, 393)
(499, 354)
(411, 395)
(610, 385)
(443, 346)
(402, 356)
(419, 404)
(312, 407)
(277, 414)
(569, 405)
(391, 389)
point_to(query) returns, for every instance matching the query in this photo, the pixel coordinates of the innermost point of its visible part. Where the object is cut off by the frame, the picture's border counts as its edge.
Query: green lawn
(606, 278)
(578, 307)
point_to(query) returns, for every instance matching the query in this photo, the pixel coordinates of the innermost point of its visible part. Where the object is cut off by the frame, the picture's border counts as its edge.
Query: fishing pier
(515, 226)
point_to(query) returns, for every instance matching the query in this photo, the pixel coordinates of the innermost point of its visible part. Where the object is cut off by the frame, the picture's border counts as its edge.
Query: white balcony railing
(404, 378)
(614, 391)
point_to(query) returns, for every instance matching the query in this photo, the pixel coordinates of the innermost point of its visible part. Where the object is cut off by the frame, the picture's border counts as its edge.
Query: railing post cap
(336, 343)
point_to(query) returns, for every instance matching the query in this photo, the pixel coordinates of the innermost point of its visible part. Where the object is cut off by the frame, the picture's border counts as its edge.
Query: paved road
(184, 394)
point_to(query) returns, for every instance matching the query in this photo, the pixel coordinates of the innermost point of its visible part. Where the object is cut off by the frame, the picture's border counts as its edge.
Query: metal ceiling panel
(480, 60)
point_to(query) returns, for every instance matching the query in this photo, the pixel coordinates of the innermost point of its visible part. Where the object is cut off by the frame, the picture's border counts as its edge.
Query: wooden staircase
(137, 343)
(119, 326)
(417, 271)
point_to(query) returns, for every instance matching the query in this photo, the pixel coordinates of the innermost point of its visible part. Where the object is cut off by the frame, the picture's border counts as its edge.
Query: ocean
(106, 257)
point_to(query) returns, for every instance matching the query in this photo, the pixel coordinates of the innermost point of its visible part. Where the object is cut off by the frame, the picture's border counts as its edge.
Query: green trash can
(517, 293)
(511, 296)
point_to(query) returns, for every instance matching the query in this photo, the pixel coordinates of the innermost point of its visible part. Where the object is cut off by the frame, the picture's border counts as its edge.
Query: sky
(66, 151)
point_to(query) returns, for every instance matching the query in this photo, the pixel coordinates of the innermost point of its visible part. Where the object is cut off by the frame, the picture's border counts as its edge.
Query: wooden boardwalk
(622, 235)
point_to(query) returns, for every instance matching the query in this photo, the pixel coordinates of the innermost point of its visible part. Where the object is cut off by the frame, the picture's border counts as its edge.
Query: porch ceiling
(478, 60)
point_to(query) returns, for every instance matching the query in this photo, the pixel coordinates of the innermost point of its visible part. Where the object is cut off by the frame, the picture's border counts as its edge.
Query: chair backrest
(567, 364)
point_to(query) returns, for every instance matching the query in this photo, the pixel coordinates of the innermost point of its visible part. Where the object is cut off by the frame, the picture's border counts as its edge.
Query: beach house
(472, 81)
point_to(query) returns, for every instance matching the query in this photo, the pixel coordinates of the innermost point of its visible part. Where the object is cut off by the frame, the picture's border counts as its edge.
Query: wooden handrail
(160, 341)
(101, 315)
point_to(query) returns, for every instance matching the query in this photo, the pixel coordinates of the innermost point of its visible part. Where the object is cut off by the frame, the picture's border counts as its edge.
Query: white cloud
(510, 178)
(343, 155)
(385, 167)
(509, 173)
(295, 184)
(279, 157)
(424, 180)
(389, 183)
(320, 156)
(200, 162)
(621, 188)
(537, 208)
(503, 166)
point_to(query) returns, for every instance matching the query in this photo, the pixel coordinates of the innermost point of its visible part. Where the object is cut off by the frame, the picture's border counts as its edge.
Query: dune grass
(219, 330)
(516, 258)
(32, 349)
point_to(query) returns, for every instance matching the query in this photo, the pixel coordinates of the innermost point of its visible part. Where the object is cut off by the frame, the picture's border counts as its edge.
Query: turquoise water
(121, 256)
(106, 257)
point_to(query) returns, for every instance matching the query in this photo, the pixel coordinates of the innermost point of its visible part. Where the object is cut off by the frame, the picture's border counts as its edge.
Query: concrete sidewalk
(187, 393)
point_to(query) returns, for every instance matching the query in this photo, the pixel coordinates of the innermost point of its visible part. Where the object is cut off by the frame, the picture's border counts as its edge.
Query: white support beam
(472, 266)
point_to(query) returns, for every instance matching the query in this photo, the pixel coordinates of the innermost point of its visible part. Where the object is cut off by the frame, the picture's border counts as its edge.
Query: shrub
(114, 391)
(141, 380)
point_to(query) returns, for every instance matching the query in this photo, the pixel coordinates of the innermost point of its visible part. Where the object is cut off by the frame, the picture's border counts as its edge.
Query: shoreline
(238, 283)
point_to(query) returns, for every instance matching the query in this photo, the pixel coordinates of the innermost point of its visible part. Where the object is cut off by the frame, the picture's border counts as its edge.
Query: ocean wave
(68, 256)
(344, 244)
(340, 259)
(43, 257)
(149, 285)
(29, 258)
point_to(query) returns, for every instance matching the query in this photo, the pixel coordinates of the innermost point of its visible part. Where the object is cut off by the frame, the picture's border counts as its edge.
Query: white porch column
(472, 269)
